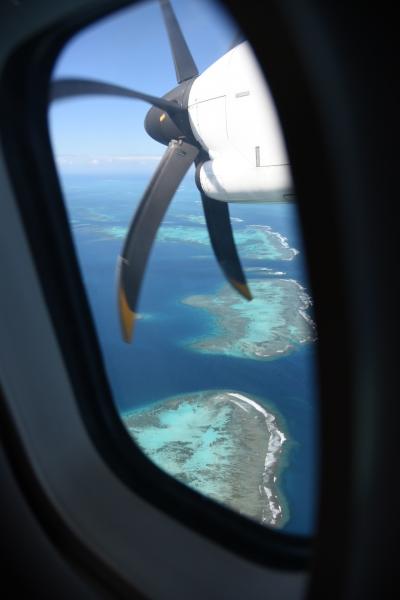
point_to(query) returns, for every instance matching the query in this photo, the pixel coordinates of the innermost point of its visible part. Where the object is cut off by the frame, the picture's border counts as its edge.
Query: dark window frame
(24, 104)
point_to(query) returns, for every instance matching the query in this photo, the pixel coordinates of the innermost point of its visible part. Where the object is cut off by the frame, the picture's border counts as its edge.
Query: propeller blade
(221, 237)
(185, 66)
(66, 88)
(138, 242)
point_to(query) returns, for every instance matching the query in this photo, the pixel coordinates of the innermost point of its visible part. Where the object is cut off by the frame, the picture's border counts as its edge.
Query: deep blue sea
(156, 365)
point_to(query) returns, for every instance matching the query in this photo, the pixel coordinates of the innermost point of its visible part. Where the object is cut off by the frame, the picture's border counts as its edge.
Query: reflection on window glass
(217, 390)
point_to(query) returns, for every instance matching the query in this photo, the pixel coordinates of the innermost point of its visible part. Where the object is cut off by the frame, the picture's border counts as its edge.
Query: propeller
(185, 67)
(221, 236)
(167, 122)
(65, 88)
(132, 262)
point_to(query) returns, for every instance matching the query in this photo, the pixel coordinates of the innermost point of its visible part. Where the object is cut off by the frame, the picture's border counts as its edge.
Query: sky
(129, 48)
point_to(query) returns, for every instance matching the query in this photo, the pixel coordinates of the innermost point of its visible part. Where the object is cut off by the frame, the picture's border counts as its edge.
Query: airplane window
(201, 300)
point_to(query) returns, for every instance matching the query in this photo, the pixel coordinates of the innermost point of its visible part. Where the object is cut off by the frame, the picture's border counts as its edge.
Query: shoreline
(236, 459)
(259, 335)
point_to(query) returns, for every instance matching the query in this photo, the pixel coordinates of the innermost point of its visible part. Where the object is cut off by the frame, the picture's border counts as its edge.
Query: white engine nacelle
(233, 116)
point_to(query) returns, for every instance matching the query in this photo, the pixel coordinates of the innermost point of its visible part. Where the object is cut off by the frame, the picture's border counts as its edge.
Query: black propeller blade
(221, 237)
(185, 66)
(67, 88)
(163, 185)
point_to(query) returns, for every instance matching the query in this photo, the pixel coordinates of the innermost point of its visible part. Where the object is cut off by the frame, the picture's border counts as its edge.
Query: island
(271, 325)
(254, 242)
(222, 443)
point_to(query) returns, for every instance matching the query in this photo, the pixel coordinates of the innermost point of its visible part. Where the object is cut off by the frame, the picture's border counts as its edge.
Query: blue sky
(129, 48)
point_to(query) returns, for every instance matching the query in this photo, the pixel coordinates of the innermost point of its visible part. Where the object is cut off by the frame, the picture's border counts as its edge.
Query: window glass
(217, 390)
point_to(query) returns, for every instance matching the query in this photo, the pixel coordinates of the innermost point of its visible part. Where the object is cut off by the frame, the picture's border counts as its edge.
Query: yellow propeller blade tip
(127, 316)
(242, 288)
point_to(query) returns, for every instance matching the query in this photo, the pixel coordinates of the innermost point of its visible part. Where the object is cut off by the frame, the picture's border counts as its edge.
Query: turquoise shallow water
(274, 323)
(223, 444)
(253, 241)
(191, 424)
(159, 364)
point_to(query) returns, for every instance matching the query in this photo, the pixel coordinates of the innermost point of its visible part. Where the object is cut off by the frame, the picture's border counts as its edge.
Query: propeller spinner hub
(166, 125)
(161, 127)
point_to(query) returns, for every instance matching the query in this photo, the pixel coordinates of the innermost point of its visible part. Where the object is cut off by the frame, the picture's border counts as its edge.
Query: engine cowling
(231, 181)
(233, 117)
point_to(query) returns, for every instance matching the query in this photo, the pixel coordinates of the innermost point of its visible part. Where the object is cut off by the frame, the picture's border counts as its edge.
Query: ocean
(161, 363)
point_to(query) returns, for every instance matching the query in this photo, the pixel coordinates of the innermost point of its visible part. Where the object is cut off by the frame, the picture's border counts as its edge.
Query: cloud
(81, 159)
(136, 158)
(64, 160)
(121, 163)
